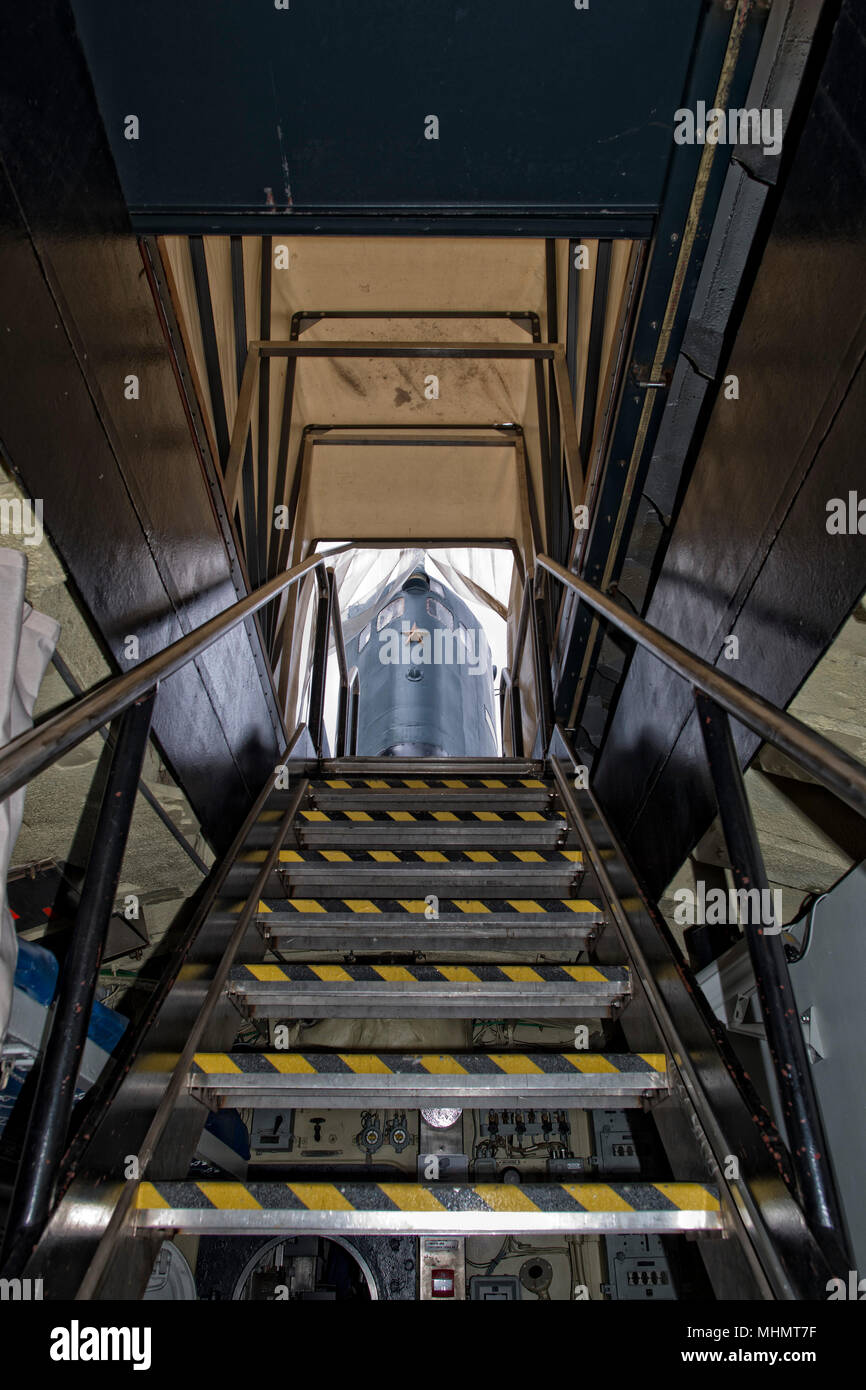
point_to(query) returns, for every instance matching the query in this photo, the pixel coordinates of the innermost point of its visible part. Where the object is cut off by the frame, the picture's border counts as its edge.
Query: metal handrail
(541, 669)
(57, 1077)
(130, 697)
(30, 753)
(828, 764)
(144, 790)
(529, 621)
(347, 714)
(718, 697)
(181, 1069)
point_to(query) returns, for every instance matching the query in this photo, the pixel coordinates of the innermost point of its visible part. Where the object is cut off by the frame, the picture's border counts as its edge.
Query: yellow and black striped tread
(417, 857)
(648, 1064)
(467, 784)
(417, 907)
(373, 816)
(562, 1198)
(297, 972)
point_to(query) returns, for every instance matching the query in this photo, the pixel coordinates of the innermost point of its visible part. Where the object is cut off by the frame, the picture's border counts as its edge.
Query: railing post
(527, 602)
(55, 1092)
(541, 663)
(340, 741)
(354, 701)
(806, 1138)
(503, 693)
(517, 744)
(316, 721)
(510, 698)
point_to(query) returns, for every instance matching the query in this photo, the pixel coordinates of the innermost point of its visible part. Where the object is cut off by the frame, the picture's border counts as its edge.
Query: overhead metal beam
(594, 347)
(201, 281)
(375, 348)
(248, 491)
(265, 475)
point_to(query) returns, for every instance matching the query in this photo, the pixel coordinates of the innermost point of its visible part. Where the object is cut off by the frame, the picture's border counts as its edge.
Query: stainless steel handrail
(31, 752)
(719, 697)
(833, 768)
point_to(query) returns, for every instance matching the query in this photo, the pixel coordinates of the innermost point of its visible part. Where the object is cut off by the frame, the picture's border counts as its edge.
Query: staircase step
(415, 908)
(430, 829)
(492, 783)
(562, 933)
(529, 857)
(429, 991)
(401, 1208)
(430, 767)
(427, 793)
(355, 1080)
(469, 872)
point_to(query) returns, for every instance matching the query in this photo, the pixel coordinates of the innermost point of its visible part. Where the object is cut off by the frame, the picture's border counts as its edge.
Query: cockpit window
(439, 612)
(365, 637)
(389, 613)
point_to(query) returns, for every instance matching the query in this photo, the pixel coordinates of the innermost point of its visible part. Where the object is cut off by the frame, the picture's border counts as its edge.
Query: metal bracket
(812, 1034)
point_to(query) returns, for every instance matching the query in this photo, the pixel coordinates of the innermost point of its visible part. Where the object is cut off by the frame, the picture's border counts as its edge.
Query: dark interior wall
(125, 495)
(750, 553)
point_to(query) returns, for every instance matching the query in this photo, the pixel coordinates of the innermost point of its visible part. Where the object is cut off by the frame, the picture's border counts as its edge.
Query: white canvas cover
(27, 642)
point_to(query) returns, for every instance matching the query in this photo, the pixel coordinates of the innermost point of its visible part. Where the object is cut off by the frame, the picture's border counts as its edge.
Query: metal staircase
(381, 889)
(374, 926)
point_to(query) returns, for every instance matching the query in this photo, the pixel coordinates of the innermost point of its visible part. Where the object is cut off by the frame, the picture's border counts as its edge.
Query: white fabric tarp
(27, 642)
(481, 576)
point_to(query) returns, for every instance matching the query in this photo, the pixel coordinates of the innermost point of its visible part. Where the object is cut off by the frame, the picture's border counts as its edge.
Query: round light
(441, 1119)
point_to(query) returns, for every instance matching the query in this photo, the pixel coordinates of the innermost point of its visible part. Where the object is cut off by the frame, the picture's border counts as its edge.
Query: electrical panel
(491, 1290)
(638, 1269)
(340, 1137)
(617, 1149)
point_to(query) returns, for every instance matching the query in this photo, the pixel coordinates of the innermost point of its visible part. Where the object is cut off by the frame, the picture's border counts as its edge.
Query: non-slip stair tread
(424, 972)
(278, 919)
(366, 764)
(478, 887)
(399, 1207)
(459, 873)
(645, 1065)
(536, 796)
(563, 908)
(432, 818)
(424, 990)
(548, 1196)
(554, 934)
(442, 835)
(357, 1080)
(527, 855)
(392, 828)
(433, 782)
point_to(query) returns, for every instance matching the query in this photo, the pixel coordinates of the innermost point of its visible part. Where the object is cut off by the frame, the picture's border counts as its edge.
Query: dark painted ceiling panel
(248, 107)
